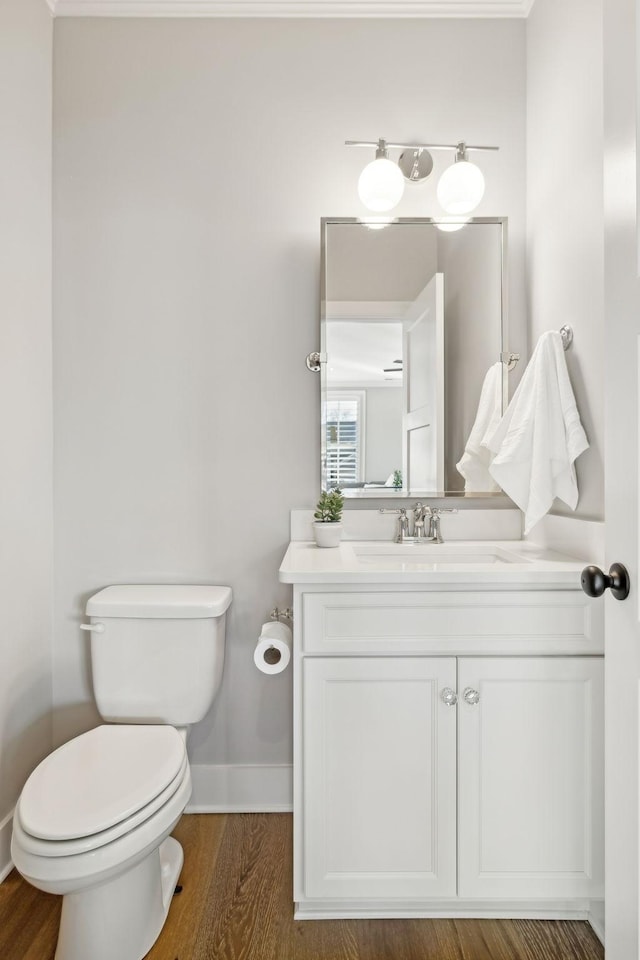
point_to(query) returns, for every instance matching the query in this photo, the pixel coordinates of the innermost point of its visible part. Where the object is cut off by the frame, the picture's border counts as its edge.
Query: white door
(530, 777)
(622, 330)
(423, 390)
(622, 325)
(379, 759)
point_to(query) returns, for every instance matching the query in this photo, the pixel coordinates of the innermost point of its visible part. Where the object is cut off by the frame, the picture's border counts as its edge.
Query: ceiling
(290, 8)
(358, 353)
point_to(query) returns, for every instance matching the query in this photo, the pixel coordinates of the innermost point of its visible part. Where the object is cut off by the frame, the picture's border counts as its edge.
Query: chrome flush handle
(449, 697)
(93, 627)
(471, 696)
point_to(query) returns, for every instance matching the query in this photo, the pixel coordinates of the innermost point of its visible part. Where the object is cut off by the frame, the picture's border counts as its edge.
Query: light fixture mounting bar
(414, 146)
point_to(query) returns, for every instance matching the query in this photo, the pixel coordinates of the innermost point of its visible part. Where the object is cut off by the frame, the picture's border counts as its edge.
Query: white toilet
(94, 818)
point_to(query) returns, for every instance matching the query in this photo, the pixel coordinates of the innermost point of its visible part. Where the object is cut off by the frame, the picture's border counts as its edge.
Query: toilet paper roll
(273, 649)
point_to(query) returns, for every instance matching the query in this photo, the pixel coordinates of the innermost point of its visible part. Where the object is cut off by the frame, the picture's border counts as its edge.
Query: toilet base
(122, 918)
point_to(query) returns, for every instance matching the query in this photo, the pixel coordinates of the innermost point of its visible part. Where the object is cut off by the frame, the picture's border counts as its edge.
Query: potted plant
(328, 516)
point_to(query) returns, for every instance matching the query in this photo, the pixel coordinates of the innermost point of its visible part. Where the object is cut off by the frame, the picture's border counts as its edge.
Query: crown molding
(291, 8)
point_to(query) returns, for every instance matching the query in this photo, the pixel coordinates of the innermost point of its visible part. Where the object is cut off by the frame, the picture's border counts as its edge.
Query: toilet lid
(98, 779)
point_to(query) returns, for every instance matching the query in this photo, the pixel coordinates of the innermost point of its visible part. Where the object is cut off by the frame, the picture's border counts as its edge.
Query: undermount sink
(412, 556)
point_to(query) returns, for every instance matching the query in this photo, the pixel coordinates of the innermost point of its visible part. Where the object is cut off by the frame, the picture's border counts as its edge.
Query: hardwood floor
(236, 905)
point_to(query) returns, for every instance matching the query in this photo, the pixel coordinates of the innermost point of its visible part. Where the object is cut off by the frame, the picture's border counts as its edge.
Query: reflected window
(344, 438)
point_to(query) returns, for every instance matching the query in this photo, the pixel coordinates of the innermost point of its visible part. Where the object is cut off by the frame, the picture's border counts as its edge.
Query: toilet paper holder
(286, 614)
(273, 649)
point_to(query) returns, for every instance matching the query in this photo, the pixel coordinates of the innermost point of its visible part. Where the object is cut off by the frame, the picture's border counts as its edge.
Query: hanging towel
(540, 435)
(474, 463)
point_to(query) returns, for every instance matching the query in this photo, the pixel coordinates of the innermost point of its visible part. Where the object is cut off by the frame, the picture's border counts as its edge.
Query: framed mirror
(413, 318)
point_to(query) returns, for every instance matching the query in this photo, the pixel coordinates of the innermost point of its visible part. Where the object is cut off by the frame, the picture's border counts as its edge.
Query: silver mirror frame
(391, 493)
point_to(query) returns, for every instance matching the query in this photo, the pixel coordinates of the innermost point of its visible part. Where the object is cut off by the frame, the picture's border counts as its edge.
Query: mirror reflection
(412, 321)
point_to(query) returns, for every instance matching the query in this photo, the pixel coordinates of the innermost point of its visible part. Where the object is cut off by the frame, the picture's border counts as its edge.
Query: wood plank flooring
(236, 905)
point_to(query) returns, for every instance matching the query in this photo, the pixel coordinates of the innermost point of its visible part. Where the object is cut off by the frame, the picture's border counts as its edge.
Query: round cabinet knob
(595, 582)
(471, 696)
(449, 696)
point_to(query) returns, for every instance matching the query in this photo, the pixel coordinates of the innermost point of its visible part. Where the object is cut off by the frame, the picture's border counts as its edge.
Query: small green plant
(329, 506)
(397, 479)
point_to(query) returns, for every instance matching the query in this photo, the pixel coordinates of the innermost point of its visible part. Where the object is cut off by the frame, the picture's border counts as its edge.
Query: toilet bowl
(93, 819)
(118, 872)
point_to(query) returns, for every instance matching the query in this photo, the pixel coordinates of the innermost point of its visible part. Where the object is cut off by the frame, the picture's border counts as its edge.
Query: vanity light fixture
(381, 183)
(461, 187)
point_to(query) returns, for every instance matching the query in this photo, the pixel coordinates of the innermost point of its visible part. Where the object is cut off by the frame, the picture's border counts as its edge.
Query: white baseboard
(6, 864)
(439, 909)
(241, 788)
(596, 919)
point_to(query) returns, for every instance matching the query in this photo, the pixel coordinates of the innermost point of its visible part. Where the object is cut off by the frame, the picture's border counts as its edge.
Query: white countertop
(509, 563)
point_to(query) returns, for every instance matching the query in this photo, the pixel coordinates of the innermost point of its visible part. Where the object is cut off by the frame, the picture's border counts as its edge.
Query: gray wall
(193, 161)
(25, 397)
(565, 209)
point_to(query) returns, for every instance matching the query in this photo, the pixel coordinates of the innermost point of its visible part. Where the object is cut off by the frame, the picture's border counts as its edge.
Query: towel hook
(566, 333)
(511, 359)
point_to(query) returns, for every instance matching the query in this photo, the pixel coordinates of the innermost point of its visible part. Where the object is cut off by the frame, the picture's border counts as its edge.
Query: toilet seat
(70, 874)
(68, 848)
(99, 786)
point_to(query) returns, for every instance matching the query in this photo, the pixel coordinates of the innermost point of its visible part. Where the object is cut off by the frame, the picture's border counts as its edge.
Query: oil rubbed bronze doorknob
(595, 582)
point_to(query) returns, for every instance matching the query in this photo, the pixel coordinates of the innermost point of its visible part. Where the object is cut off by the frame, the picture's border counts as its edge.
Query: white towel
(540, 436)
(474, 463)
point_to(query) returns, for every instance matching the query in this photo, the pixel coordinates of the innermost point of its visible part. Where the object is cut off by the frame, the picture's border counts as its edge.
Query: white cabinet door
(530, 778)
(379, 803)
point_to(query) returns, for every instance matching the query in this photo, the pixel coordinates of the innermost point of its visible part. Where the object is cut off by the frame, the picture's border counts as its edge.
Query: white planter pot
(327, 534)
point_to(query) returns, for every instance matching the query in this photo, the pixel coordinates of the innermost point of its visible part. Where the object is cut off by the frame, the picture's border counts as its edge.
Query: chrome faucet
(426, 523)
(420, 514)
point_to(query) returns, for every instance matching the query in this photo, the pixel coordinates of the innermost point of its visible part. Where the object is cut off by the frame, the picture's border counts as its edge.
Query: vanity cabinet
(448, 752)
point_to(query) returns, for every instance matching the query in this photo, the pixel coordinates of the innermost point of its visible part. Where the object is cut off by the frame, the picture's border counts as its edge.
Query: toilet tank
(157, 651)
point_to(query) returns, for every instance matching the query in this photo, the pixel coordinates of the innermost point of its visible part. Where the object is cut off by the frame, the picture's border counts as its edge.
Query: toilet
(94, 818)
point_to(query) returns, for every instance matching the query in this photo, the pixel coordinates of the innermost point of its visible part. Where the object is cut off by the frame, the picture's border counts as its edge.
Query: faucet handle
(403, 526)
(435, 521)
(403, 522)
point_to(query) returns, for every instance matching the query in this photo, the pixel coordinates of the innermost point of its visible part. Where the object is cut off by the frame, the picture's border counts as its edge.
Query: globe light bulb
(377, 223)
(451, 224)
(381, 185)
(461, 186)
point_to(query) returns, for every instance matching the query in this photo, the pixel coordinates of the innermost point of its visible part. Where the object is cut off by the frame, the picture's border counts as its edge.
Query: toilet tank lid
(151, 601)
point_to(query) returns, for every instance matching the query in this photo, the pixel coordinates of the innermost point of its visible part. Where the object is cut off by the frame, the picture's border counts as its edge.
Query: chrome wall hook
(566, 333)
(511, 360)
(315, 360)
